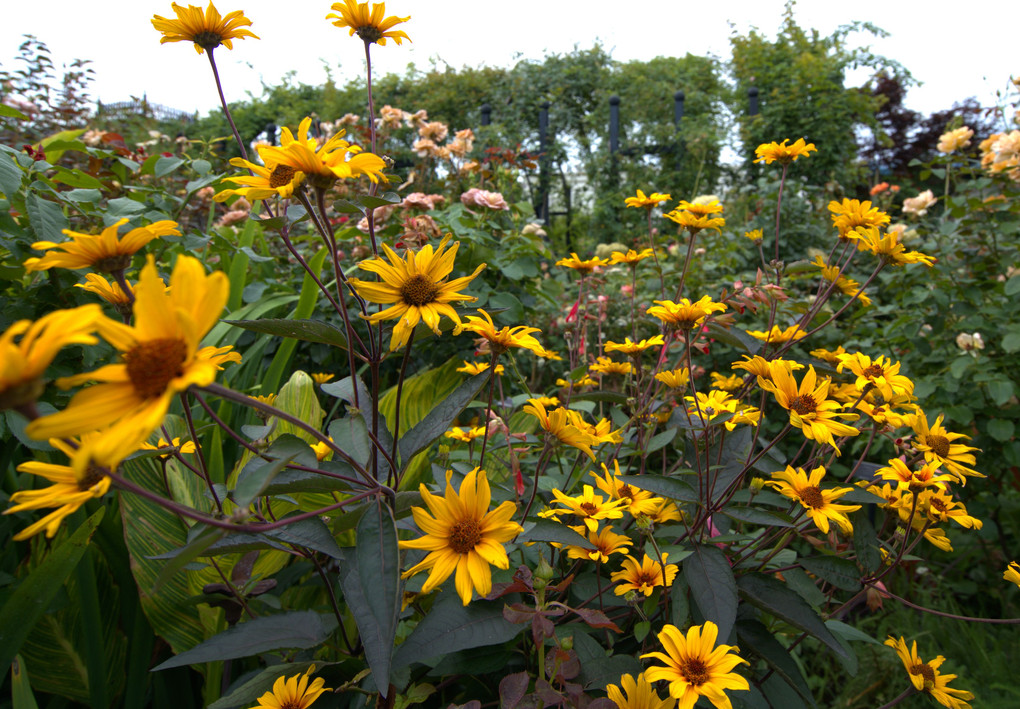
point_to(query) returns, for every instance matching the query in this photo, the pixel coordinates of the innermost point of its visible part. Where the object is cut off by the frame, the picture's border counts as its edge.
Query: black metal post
(614, 124)
(752, 99)
(678, 108)
(542, 211)
(271, 133)
(486, 114)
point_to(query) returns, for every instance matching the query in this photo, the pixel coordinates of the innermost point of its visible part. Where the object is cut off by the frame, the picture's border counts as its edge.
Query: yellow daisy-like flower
(638, 502)
(694, 217)
(637, 694)
(207, 30)
(479, 367)
(584, 381)
(604, 365)
(110, 291)
(643, 577)
(820, 504)
(717, 403)
(697, 667)
(726, 383)
(322, 377)
(273, 179)
(888, 247)
(754, 235)
(652, 200)
(675, 378)
(782, 153)
(582, 266)
(606, 542)
(547, 401)
(91, 459)
(588, 506)
(371, 26)
(880, 373)
(667, 511)
(416, 289)
(810, 408)
(566, 425)
(926, 677)
(830, 356)
(852, 213)
(101, 252)
(914, 480)
(938, 444)
(465, 435)
(1012, 573)
(630, 347)
(778, 335)
(630, 257)
(502, 339)
(462, 535)
(174, 444)
(939, 506)
(293, 692)
(23, 363)
(160, 356)
(684, 315)
(322, 450)
(761, 367)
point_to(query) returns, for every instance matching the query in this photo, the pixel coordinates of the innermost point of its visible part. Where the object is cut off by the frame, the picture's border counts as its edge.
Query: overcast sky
(944, 50)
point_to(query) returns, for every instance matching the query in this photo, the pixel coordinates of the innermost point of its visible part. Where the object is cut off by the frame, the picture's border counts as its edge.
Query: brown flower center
(694, 671)
(465, 535)
(804, 404)
(93, 475)
(938, 504)
(926, 671)
(112, 264)
(939, 445)
(281, 175)
(626, 491)
(873, 371)
(812, 496)
(588, 508)
(419, 290)
(207, 39)
(152, 365)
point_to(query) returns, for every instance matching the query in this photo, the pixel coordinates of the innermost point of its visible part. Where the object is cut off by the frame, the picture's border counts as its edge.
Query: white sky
(952, 60)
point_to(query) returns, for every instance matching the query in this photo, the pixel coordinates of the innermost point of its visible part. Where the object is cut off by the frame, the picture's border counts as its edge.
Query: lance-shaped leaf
(379, 576)
(672, 488)
(306, 330)
(713, 587)
(297, 629)
(756, 638)
(440, 418)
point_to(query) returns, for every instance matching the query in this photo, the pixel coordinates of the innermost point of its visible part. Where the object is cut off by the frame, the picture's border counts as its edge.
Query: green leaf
(200, 539)
(76, 178)
(47, 218)
(165, 165)
(756, 516)
(123, 207)
(866, 543)
(27, 603)
(345, 389)
(10, 175)
(841, 573)
(350, 434)
(774, 597)
(255, 476)
(374, 201)
(672, 488)
(202, 167)
(660, 440)
(344, 207)
(1000, 390)
(311, 533)
(21, 690)
(1011, 341)
(451, 626)
(440, 418)
(297, 629)
(379, 576)
(11, 112)
(1012, 286)
(249, 692)
(306, 330)
(537, 529)
(757, 638)
(82, 195)
(713, 587)
(804, 585)
(1001, 429)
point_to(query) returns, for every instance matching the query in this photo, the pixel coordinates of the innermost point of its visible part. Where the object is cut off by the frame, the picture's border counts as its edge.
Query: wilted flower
(919, 205)
(968, 342)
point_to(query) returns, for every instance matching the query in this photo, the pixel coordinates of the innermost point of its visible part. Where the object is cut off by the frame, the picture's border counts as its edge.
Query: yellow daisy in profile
(462, 535)
(1012, 573)
(643, 577)
(207, 30)
(564, 424)
(638, 502)
(754, 235)
(761, 367)
(293, 692)
(782, 153)
(371, 26)
(605, 365)
(630, 347)
(809, 405)
(938, 444)
(91, 459)
(726, 383)
(914, 480)
(630, 256)
(415, 288)
(675, 378)
(169, 448)
(637, 694)
(694, 216)
(696, 667)
(582, 266)
(23, 363)
(110, 291)
(652, 200)
(888, 247)
(502, 339)
(778, 335)
(939, 506)
(588, 506)
(160, 356)
(465, 435)
(881, 373)
(268, 180)
(104, 252)
(322, 377)
(479, 367)
(820, 504)
(925, 676)
(684, 315)
(605, 542)
(851, 213)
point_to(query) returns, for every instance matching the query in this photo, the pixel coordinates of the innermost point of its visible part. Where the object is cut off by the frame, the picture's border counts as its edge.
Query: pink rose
(475, 197)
